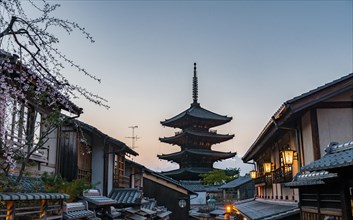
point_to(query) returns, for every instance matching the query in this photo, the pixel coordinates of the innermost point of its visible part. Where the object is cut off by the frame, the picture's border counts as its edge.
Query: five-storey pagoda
(195, 140)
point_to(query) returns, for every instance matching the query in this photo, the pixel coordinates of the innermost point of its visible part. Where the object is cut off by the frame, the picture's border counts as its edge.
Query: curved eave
(213, 155)
(198, 113)
(213, 138)
(193, 170)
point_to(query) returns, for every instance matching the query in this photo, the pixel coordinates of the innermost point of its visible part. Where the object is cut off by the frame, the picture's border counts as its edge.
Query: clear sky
(251, 57)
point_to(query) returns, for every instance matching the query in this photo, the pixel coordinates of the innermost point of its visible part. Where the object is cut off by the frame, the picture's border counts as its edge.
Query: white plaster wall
(276, 190)
(334, 125)
(269, 191)
(199, 200)
(98, 165)
(52, 146)
(110, 172)
(296, 194)
(287, 192)
(307, 139)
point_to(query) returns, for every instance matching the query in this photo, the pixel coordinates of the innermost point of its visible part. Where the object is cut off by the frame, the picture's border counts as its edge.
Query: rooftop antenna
(194, 86)
(133, 137)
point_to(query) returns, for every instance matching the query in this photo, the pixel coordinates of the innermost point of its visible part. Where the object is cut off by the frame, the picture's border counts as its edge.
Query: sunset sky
(251, 57)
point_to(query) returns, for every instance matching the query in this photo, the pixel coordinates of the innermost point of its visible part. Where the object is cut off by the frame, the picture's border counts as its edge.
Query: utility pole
(133, 137)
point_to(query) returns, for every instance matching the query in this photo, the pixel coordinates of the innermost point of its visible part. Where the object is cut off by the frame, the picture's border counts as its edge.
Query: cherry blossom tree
(33, 88)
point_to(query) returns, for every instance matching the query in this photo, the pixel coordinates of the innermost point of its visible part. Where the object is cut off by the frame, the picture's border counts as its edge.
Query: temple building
(195, 140)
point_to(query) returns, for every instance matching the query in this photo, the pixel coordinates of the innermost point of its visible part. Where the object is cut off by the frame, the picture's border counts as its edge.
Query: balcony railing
(264, 178)
(282, 175)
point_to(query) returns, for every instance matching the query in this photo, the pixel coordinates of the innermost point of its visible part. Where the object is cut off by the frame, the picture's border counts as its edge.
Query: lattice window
(119, 170)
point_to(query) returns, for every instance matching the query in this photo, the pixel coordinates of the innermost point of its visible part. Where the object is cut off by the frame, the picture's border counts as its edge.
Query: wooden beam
(315, 134)
(335, 105)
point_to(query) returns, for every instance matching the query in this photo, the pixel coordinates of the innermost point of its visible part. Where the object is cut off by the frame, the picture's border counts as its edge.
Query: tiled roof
(197, 111)
(337, 155)
(158, 175)
(27, 184)
(126, 197)
(107, 138)
(32, 196)
(197, 186)
(237, 182)
(170, 180)
(57, 95)
(193, 170)
(313, 178)
(202, 152)
(210, 136)
(320, 88)
(257, 209)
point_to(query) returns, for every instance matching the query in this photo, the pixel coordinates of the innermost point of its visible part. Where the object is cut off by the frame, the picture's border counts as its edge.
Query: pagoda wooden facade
(195, 140)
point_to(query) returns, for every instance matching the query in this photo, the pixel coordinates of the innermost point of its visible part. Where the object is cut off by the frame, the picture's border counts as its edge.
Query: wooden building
(22, 117)
(84, 152)
(326, 185)
(296, 135)
(165, 190)
(195, 140)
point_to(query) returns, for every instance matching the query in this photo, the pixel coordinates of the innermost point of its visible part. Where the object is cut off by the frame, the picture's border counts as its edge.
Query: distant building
(239, 189)
(203, 192)
(84, 152)
(195, 140)
(165, 190)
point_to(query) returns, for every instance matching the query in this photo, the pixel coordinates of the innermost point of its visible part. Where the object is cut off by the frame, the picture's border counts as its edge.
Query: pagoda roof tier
(190, 173)
(206, 155)
(181, 138)
(196, 115)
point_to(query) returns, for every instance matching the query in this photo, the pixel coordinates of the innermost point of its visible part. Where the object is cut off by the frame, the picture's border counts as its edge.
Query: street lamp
(267, 167)
(253, 174)
(287, 156)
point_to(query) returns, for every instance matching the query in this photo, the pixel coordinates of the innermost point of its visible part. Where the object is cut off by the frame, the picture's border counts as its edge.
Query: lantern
(287, 157)
(267, 167)
(229, 208)
(253, 174)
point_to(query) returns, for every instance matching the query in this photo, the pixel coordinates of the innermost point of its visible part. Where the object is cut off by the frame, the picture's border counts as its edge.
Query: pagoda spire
(194, 87)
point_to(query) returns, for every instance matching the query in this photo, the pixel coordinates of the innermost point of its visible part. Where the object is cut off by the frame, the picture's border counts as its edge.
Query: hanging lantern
(253, 174)
(267, 167)
(287, 156)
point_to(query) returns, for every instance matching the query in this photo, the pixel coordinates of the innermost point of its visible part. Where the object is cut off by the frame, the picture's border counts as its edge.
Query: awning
(258, 209)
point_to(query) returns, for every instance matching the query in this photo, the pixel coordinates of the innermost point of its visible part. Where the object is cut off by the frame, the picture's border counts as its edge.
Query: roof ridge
(335, 147)
(320, 88)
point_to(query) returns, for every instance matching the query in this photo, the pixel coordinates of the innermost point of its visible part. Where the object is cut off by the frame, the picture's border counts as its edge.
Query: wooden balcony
(264, 179)
(282, 175)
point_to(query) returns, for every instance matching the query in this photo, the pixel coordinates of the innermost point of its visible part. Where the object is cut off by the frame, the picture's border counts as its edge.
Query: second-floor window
(21, 129)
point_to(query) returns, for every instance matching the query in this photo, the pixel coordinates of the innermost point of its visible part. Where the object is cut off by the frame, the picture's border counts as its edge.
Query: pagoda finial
(194, 86)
